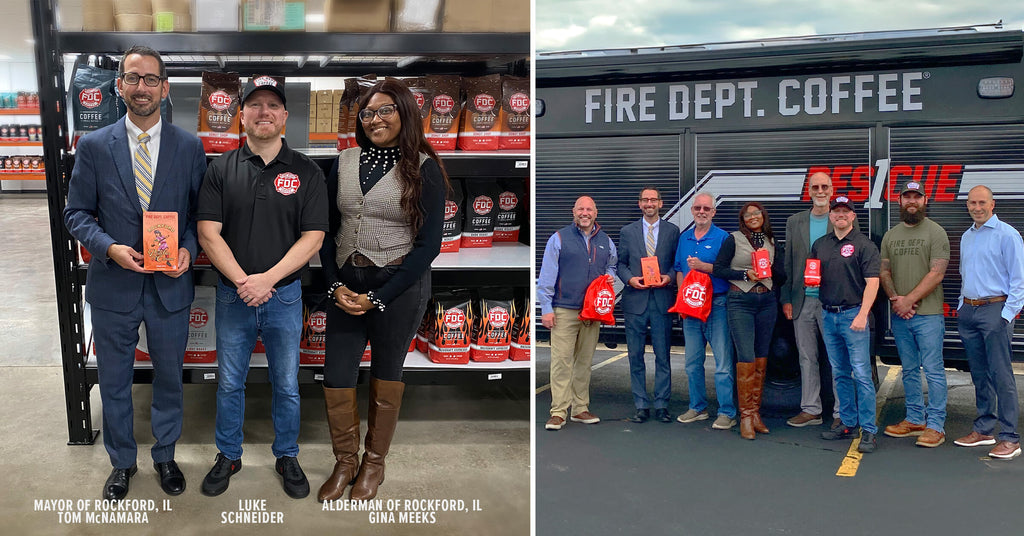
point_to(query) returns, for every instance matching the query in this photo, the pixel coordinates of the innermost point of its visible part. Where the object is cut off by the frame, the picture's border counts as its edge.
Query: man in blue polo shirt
(698, 247)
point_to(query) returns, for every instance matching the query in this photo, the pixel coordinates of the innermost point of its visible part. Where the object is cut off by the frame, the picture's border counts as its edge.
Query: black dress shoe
(661, 414)
(171, 479)
(116, 486)
(217, 480)
(641, 415)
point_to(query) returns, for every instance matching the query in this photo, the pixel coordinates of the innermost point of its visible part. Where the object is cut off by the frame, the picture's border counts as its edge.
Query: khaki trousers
(572, 352)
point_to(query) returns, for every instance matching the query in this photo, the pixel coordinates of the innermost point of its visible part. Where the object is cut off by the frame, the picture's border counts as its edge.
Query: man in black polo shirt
(262, 215)
(849, 283)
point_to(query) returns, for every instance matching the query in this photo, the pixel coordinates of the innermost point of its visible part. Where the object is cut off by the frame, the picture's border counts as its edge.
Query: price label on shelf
(522, 164)
(209, 376)
(318, 377)
(494, 376)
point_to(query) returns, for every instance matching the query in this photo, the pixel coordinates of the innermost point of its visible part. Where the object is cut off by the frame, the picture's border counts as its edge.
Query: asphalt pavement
(617, 477)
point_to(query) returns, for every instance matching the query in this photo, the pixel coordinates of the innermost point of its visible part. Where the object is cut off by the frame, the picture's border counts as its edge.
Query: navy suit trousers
(116, 334)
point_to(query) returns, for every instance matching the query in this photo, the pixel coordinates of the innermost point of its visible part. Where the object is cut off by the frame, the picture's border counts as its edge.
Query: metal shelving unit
(288, 54)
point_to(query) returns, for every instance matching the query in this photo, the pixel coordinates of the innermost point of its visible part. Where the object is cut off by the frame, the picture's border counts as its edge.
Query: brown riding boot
(745, 377)
(343, 420)
(385, 401)
(760, 367)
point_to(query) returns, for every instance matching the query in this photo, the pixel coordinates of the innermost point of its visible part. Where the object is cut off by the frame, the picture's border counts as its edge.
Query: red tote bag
(599, 301)
(694, 297)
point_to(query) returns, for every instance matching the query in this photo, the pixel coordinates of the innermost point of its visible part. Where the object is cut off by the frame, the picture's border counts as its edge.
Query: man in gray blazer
(800, 304)
(646, 306)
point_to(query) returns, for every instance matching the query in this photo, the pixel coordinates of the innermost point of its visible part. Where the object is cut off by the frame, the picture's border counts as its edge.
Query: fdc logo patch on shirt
(286, 183)
(846, 250)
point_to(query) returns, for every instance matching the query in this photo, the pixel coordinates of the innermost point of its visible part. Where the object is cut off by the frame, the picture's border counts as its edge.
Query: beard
(140, 109)
(913, 218)
(264, 135)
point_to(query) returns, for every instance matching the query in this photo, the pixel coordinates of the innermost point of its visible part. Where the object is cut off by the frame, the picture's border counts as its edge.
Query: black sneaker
(843, 432)
(293, 479)
(867, 442)
(217, 480)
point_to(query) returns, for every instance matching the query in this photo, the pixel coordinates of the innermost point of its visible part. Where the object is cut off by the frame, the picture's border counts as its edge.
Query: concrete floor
(453, 442)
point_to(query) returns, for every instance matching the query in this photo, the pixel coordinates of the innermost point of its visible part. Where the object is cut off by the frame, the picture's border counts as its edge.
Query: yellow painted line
(851, 462)
(608, 361)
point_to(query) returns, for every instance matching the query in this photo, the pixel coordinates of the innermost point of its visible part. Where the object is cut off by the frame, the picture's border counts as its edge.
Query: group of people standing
(909, 268)
(260, 212)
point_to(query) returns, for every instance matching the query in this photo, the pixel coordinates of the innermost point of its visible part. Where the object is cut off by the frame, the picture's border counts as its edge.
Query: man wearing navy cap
(262, 216)
(915, 254)
(849, 283)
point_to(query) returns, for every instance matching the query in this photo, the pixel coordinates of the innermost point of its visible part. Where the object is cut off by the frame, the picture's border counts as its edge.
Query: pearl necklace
(385, 157)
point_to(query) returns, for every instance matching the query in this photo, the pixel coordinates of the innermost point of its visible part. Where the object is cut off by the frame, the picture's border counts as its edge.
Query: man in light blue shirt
(991, 295)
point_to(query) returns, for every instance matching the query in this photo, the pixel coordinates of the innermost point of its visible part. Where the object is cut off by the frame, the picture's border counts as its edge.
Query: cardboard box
(323, 125)
(486, 16)
(336, 95)
(273, 15)
(215, 16)
(416, 15)
(98, 15)
(357, 15)
(324, 96)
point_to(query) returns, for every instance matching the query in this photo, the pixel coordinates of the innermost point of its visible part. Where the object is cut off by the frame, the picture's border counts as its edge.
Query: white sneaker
(692, 416)
(723, 422)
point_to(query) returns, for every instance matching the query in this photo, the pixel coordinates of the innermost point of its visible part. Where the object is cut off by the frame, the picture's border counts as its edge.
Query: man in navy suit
(137, 164)
(645, 306)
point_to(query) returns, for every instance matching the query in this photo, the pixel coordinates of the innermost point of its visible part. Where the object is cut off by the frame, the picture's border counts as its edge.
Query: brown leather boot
(343, 420)
(760, 368)
(745, 377)
(385, 401)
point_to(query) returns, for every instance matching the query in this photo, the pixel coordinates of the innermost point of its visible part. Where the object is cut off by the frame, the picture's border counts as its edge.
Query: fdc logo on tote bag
(694, 297)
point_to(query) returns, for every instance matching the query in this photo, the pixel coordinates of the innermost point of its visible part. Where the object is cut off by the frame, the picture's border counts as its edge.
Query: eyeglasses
(132, 79)
(650, 199)
(697, 208)
(752, 214)
(384, 112)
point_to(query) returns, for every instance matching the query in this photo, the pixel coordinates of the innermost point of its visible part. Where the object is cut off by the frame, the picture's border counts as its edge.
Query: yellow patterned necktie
(650, 240)
(143, 165)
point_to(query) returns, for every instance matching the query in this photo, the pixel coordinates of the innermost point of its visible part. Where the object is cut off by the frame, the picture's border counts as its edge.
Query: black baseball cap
(912, 186)
(841, 201)
(264, 82)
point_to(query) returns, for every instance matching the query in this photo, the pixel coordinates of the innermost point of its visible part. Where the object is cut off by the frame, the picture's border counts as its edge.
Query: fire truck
(753, 120)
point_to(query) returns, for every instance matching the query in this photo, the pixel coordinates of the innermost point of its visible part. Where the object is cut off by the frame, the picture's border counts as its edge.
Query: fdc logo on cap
(265, 81)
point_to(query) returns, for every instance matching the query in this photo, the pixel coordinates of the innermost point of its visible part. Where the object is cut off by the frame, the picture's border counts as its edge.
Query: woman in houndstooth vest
(389, 196)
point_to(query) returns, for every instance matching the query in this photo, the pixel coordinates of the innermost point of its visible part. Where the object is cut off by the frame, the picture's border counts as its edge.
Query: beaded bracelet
(334, 288)
(375, 300)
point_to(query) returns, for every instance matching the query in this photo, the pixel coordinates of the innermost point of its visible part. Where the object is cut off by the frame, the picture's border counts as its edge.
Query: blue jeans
(636, 335)
(919, 342)
(849, 353)
(987, 338)
(279, 323)
(696, 336)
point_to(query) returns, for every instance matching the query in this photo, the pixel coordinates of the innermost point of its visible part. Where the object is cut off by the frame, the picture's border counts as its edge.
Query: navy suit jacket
(103, 209)
(633, 247)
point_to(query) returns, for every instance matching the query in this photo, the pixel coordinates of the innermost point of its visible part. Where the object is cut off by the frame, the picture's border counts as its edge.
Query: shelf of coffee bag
(20, 176)
(418, 369)
(501, 255)
(19, 111)
(20, 143)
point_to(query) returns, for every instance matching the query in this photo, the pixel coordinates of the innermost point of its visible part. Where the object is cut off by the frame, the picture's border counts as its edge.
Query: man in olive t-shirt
(915, 254)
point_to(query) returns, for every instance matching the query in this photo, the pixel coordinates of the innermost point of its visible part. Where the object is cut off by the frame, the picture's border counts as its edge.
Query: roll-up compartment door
(611, 170)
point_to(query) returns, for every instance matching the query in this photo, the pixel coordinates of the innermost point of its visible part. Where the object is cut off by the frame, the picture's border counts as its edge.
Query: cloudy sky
(599, 24)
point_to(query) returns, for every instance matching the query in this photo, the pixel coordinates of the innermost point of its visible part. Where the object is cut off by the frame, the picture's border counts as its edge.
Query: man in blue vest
(573, 257)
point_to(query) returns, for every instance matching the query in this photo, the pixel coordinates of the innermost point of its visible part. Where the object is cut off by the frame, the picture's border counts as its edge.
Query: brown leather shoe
(343, 421)
(904, 428)
(1005, 450)
(385, 402)
(554, 423)
(804, 419)
(974, 439)
(931, 438)
(585, 417)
